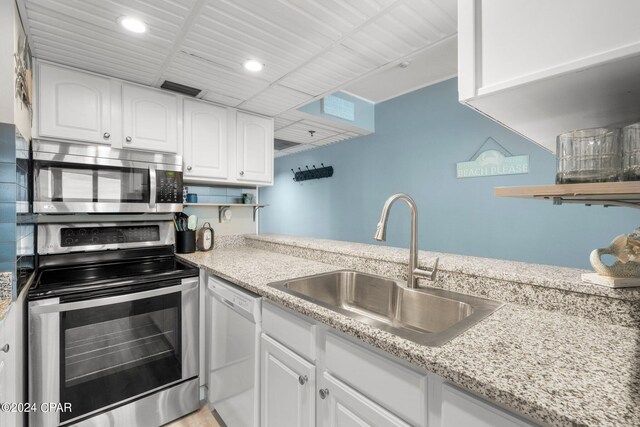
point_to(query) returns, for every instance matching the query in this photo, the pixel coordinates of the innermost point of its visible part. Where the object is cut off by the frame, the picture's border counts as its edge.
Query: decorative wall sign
(492, 162)
(339, 107)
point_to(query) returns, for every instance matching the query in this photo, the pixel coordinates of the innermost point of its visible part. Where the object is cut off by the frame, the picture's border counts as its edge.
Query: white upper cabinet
(205, 141)
(149, 119)
(547, 67)
(73, 105)
(254, 148)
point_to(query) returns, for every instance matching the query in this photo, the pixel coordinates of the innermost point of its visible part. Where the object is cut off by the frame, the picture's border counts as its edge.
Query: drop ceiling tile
(66, 32)
(279, 123)
(293, 115)
(218, 82)
(299, 132)
(332, 69)
(275, 100)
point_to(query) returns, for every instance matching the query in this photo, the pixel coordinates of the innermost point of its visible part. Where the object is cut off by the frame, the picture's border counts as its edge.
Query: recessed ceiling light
(132, 24)
(253, 65)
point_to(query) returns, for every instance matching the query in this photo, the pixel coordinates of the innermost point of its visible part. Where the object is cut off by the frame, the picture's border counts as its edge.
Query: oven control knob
(68, 241)
(94, 240)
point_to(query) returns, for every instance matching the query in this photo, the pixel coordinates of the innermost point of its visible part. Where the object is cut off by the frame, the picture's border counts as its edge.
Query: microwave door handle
(152, 187)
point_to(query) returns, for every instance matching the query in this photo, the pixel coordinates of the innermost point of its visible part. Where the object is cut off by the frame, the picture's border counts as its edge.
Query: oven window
(115, 352)
(90, 184)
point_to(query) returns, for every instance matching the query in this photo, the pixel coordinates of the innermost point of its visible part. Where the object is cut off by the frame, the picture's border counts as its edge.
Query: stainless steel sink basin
(427, 316)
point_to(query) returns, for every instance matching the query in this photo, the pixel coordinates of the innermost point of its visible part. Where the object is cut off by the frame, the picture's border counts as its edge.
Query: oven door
(80, 184)
(98, 354)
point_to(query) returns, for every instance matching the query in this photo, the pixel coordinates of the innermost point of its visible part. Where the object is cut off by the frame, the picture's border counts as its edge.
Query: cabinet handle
(106, 135)
(188, 168)
(324, 392)
(5, 348)
(302, 379)
(241, 173)
(128, 139)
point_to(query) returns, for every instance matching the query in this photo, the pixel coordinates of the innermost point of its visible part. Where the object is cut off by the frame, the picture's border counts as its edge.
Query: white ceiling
(310, 48)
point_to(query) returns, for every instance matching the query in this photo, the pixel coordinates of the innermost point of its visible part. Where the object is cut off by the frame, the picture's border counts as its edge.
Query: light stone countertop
(556, 369)
(564, 278)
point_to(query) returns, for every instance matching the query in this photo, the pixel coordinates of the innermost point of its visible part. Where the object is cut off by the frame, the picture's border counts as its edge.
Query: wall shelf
(223, 206)
(601, 193)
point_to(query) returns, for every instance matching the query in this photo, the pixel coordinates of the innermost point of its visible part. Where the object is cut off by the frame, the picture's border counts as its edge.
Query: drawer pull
(5, 348)
(302, 379)
(324, 392)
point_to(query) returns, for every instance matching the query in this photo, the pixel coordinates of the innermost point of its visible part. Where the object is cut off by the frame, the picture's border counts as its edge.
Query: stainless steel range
(113, 320)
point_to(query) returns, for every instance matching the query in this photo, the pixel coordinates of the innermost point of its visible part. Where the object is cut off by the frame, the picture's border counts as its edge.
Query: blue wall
(418, 140)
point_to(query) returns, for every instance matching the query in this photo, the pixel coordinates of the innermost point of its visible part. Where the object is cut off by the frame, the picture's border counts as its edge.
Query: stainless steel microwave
(78, 178)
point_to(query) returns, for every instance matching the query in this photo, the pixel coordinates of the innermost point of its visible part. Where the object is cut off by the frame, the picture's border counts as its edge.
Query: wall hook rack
(315, 173)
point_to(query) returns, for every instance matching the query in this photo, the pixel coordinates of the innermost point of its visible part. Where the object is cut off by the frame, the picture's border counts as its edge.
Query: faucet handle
(434, 271)
(428, 273)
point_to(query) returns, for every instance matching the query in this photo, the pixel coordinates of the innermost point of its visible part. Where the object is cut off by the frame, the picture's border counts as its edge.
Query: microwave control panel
(169, 187)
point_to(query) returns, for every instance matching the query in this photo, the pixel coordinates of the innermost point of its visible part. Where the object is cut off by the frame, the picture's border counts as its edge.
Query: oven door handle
(153, 186)
(55, 307)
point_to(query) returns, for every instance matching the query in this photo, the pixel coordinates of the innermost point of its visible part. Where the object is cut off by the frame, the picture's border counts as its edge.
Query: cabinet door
(254, 148)
(149, 119)
(287, 387)
(462, 409)
(10, 372)
(73, 105)
(205, 141)
(341, 406)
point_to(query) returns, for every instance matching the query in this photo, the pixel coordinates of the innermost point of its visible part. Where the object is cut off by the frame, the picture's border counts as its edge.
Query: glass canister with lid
(589, 155)
(631, 152)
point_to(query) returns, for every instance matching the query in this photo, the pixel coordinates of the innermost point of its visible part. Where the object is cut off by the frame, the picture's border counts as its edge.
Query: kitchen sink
(427, 316)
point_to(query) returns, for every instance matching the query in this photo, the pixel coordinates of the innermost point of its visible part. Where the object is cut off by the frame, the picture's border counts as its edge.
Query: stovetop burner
(107, 272)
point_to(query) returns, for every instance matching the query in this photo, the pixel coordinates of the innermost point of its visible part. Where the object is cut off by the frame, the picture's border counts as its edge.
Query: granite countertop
(556, 369)
(564, 278)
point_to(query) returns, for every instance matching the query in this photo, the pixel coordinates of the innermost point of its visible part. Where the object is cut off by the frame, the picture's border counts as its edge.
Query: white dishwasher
(233, 352)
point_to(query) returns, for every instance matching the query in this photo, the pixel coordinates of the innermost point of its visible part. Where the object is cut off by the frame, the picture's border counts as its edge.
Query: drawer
(396, 388)
(291, 330)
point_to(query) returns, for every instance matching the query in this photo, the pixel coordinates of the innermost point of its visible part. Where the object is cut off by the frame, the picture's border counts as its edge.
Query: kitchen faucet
(381, 236)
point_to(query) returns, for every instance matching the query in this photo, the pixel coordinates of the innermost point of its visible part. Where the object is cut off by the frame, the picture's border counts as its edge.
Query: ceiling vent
(177, 87)
(281, 144)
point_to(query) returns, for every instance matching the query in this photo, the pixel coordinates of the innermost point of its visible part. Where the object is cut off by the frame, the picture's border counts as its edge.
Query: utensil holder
(185, 241)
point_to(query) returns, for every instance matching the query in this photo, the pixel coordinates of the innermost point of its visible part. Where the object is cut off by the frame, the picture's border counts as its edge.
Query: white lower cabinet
(287, 387)
(11, 365)
(356, 385)
(342, 406)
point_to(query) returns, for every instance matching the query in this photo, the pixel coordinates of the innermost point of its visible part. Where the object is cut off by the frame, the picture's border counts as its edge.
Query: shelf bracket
(255, 211)
(221, 210)
(590, 202)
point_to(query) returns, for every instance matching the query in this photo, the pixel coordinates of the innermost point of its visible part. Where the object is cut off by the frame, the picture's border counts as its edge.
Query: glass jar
(589, 155)
(631, 152)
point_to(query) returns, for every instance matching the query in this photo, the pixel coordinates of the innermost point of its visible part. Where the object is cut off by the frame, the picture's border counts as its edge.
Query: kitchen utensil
(631, 152)
(589, 155)
(204, 237)
(192, 222)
